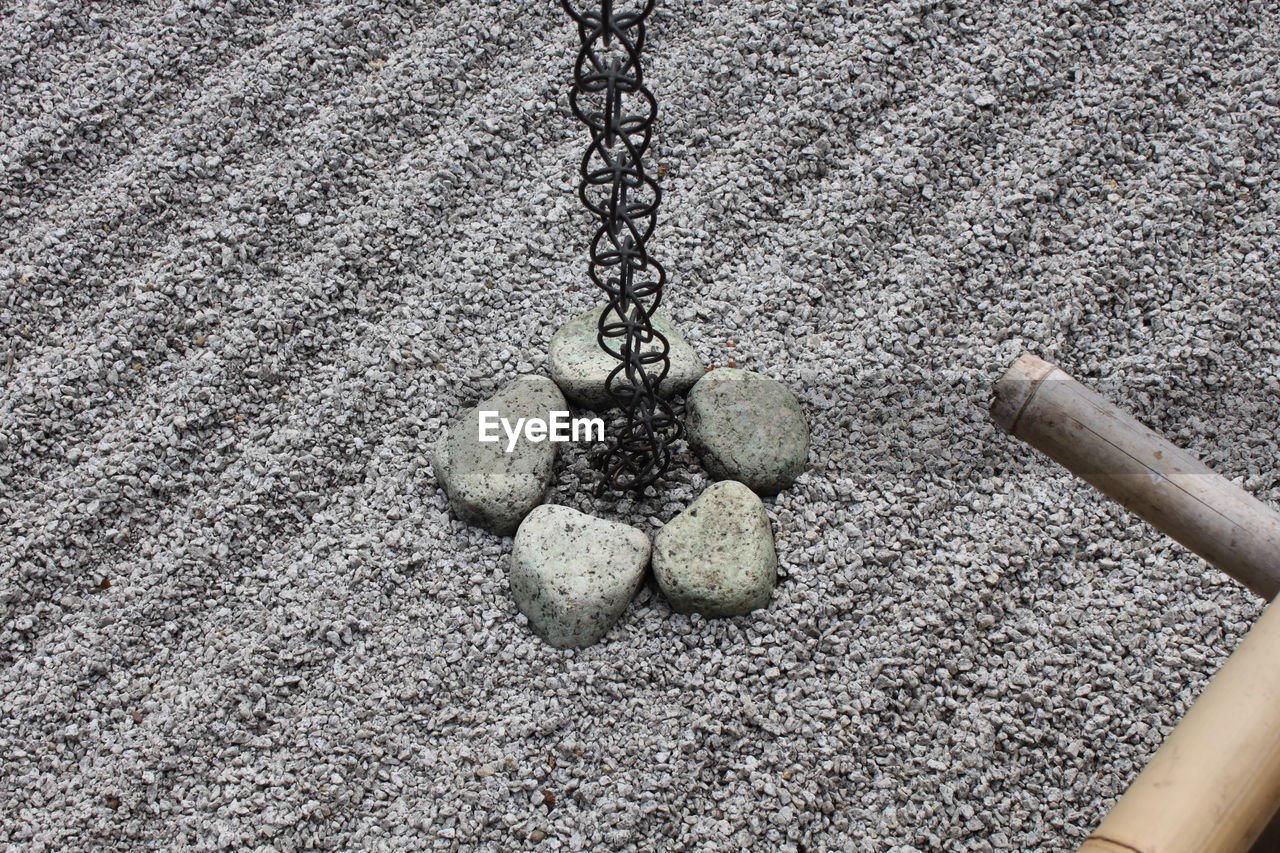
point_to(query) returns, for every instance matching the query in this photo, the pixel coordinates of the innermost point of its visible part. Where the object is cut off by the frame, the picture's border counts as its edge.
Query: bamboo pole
(1214, 784)
(1159, 481)
(1269, 840)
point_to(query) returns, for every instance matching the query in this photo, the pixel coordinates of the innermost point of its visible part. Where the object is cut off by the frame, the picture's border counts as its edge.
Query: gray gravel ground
(255, 254)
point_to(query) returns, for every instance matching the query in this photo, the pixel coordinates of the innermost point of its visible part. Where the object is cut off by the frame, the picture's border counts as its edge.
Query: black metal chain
(610, 98)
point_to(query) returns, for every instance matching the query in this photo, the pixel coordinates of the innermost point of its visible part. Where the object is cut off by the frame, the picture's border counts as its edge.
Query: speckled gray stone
(572, 574)
(717, 557)
(487, 485)
(745, 426)
(580, 367)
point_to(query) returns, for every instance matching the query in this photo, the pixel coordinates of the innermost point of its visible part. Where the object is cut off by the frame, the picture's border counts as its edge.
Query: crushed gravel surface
(256, 254)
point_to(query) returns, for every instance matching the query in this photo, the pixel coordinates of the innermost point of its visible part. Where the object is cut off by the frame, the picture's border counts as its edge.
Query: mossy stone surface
(487, 485)
(747, 427)
(573, 574)
(718, 557)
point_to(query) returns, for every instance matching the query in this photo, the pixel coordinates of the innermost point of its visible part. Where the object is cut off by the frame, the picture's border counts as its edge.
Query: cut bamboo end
(1214, 784)
(1038, 403)
(1016, 388)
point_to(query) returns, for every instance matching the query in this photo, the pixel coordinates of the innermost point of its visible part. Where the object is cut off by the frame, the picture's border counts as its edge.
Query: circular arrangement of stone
(571, 574)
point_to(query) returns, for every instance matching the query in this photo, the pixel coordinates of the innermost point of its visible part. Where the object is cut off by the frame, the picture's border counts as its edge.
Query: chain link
(610, 98)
